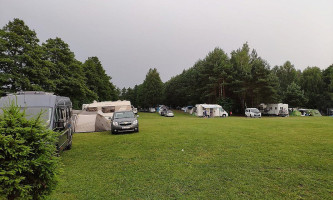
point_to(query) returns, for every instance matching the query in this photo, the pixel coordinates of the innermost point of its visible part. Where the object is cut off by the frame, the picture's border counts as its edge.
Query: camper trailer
(278, 109)
(211, 110)
(97, 115)
(107, 108)
(56, 112)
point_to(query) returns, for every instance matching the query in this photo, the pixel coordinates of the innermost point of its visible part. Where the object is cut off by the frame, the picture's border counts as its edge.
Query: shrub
(28, 161)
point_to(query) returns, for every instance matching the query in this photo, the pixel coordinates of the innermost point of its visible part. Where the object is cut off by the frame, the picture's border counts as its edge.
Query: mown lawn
(193, 158)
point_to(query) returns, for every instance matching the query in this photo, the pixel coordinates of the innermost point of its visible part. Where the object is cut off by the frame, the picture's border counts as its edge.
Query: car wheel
(223, 115)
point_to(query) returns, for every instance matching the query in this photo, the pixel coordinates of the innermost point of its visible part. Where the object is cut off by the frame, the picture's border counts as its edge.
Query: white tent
(91, 122)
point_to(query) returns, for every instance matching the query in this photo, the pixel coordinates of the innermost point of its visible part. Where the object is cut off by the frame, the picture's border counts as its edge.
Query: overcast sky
(131, 36)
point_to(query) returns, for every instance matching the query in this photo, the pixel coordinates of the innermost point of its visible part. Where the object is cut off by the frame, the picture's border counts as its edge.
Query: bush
(28, 161)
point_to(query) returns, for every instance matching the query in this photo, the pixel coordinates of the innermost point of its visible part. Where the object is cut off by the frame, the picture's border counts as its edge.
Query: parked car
(152, 110)
(169, 113)
(124, 121)
(57, 112)
(252, 112)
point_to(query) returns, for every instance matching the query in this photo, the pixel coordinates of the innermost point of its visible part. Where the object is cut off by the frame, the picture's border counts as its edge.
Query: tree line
(240, 80)
(26, 65)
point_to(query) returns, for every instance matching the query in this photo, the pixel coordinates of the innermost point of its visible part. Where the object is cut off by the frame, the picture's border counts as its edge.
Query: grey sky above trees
(130, 37)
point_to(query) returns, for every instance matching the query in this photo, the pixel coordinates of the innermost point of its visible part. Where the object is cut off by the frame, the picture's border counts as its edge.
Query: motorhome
(278, 109)
(56, 112)
(211, 110)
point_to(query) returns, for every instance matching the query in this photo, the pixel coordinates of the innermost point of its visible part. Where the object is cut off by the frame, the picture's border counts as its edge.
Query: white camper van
(212, 110)
(278, 109)
(57, 112)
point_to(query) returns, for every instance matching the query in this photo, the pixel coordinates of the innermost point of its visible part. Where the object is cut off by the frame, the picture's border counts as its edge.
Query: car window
(119, 115)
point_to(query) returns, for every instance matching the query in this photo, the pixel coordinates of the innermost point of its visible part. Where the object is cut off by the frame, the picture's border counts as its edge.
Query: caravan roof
(210, 105)
(35, 99)
(109, 103)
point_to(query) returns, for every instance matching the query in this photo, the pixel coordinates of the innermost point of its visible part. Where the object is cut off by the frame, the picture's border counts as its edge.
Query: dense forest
(241, 79)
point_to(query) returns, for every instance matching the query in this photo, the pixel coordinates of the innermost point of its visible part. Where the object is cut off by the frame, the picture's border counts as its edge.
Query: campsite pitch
(186, 157)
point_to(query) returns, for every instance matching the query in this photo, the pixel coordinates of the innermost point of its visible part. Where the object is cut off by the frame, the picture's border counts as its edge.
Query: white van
(252, 112)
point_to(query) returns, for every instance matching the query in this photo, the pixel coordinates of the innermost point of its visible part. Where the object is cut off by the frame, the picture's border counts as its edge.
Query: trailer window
(92, 109)
(108, 109)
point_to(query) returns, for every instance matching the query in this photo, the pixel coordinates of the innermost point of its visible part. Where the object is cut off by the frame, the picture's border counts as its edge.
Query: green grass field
(194, 158)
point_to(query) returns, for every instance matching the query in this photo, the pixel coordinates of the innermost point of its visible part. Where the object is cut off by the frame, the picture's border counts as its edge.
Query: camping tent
(314, 112)
(295, 113)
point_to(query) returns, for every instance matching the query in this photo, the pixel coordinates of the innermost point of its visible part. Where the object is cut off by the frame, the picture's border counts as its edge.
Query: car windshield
(254, 110)
(119, 115)
(169, 111)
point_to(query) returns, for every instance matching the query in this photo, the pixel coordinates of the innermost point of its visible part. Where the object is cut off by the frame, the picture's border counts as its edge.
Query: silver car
(124, 121)
(252, 112)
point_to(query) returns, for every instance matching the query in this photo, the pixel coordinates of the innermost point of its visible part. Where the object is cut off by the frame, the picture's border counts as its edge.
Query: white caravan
(212, 110)
(278, 109)
(97, 115)
(107, 108)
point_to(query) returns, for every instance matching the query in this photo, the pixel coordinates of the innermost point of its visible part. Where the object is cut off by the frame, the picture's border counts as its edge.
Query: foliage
(67, 73)
(294, 96)
(328, 87)
(286, 75)
(28, 161)
(245, 79)
(313, 85)
(26, 65)
(20, 59)
(243, 76)
(98, 81)
(151, 89)
(226, 103)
